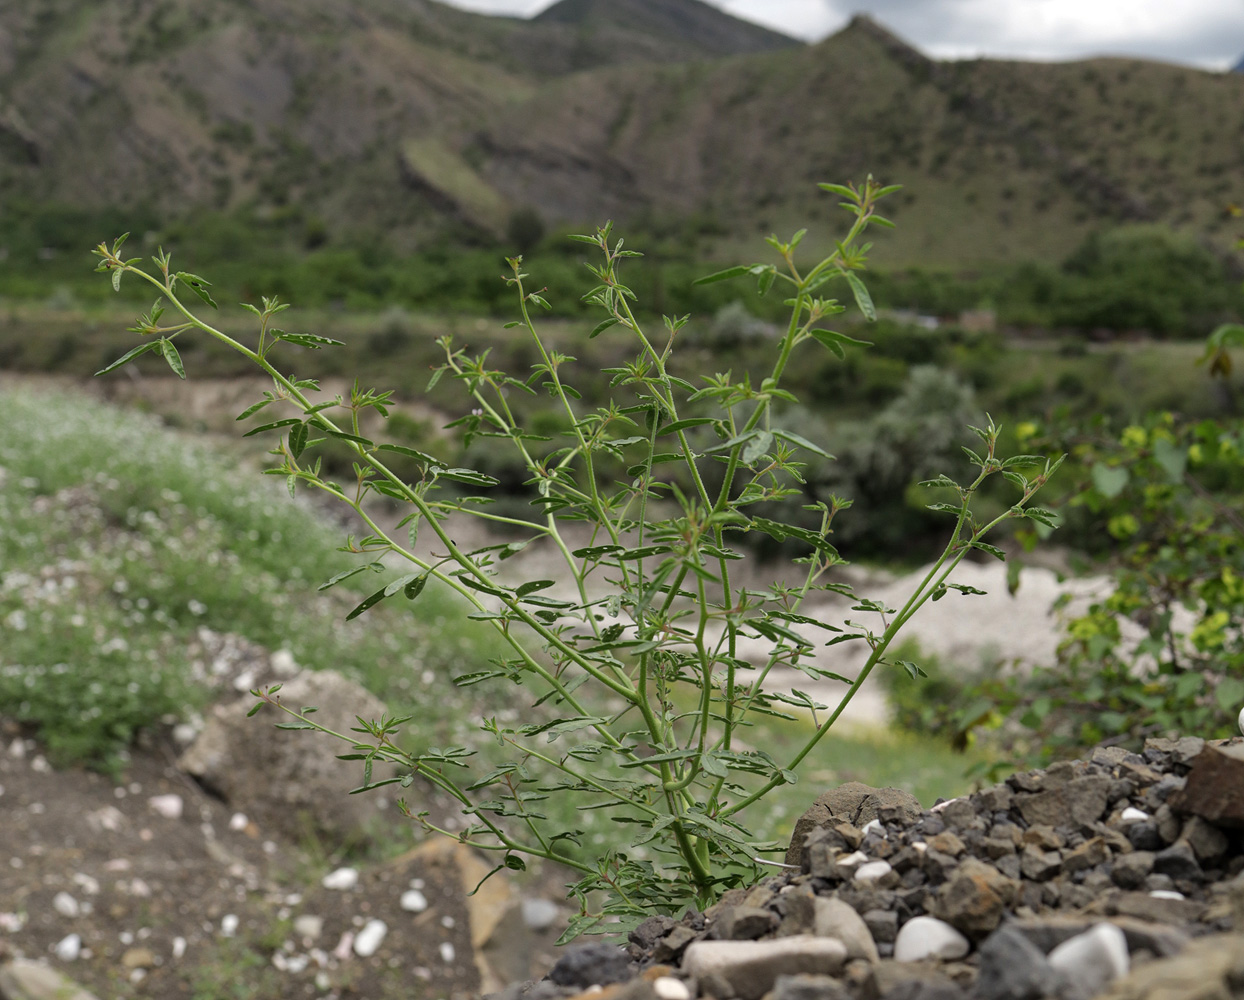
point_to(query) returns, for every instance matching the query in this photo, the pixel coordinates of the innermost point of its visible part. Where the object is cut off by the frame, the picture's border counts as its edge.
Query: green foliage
(639, 698)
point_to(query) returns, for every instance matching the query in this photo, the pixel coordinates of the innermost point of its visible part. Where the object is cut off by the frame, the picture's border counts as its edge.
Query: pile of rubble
(1117, 876)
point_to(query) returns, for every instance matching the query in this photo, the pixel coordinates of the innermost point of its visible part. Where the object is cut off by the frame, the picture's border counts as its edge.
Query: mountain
(415, 119)
(1239, 66)
(695, 29)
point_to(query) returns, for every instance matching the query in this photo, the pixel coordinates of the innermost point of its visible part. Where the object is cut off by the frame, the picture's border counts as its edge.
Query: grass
(122, 540)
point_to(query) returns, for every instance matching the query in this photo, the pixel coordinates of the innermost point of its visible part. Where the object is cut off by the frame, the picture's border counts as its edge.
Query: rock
(1147, 907)
(413, 901)
(1079, 802)
(65, 905)
(1048, 932)
(882, 924)
(1179, 862)
(595, 964)
(370, 937)
(21, 979)
(874, 873)
(975, 897)
(809, 987)
(138, 958)
(1093, 959)
(307, 925)
(1013, 968)
(169, 806)
(1210, 967)
(927, 937)
(749, 969)
(1130, 870)
(538, 914)
(1214, 789)
(674, 943)
(797, 906)
(835, 919)
(341, 879)
(283, 778)
(669, 988)
(1088, 855)
(1038, 865)
(1208, 843)
(68, 948)
(743, 923)
(893, 980)
(856, 803)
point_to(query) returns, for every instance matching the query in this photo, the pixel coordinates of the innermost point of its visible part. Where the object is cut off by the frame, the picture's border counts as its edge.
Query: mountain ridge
(421, 120)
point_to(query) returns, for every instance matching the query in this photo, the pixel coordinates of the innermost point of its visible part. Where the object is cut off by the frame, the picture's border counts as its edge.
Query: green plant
(636, 663)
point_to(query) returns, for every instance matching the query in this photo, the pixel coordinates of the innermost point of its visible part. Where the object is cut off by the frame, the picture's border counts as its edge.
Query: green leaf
(726, 275)
(349, 573)
(354, 438)
(1172, 459)
(595, 551)
(1109, 481)
(423, 457)
(198, 285)
(297, 439)
(468, 476)
(370, 602)
(993, 550)
(682, 425)
(532, 586)
(757, 447)
(253, 409)
(415, 587)
(286, 422)
(130, 356)
(862, 298)
(306, 340)
(602, 326)
(799, 440)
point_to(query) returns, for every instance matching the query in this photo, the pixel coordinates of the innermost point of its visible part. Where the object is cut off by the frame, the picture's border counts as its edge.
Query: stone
(68, 948)
(138, 958)
(169, 806)
(751, 968)
(1130, 870)
(1090, 854)
(65, 904)
(1048, 932)
(538, 914)
(309, 926)
(974, 898)
(647, 933)
(1214, 789)
(1079, 802)
(895, 980)
(669, 988)
(1179, 862)
(875, 873)
(341, 879)
(283, 778)
(856, 803)
(1144, 836)
(594, 964)
(927, 937)
(882, 924)
(1093, 959)
(1147, 907)
(369, 939)
(413, 901)
(1208, 843)
(22, 979)
(809, 987)
(1210, 967)
(1013, 968)
(836, 919)
(743, 923)
(797, 907)
(673, 944)
(1038, 865)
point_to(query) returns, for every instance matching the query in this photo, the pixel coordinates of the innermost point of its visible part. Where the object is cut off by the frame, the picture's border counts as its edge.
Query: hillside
(418, 119)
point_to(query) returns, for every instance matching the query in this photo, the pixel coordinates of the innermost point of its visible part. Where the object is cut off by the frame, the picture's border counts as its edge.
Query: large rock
(856, 803)
(1215, 788)
(975, 898)
(1210, 967)
(21, 979)
(749, 969)
(289, 780)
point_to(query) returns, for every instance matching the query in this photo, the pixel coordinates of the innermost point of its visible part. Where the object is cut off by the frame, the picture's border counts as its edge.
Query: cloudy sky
(1206, 33)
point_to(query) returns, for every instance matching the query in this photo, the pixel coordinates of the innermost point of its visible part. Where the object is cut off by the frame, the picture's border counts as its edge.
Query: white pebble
(68, 948)
(873, 825)
(229, 924)
(873, 871)
(179, 947)
(669, 988)
(342, 951)
(297, 963)
(540, 914)
(928, 937)
(169, 806)
(447, 952)
(1094, 958)
(238, 821)
(88, 884)
(65, 905)
(342, 879)
(1132, 815)
(1167, 894)
(413, 901)
(283, 663)
(308, 925)
(852, 860)
(1240, 720)
(369, 938)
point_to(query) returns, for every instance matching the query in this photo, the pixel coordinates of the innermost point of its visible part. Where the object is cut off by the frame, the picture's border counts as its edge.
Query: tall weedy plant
(641, 665)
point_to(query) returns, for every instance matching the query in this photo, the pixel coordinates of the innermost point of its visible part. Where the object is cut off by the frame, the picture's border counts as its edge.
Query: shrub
(639, 653)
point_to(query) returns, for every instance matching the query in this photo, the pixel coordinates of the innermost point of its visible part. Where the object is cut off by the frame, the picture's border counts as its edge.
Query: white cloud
(1208, 33)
